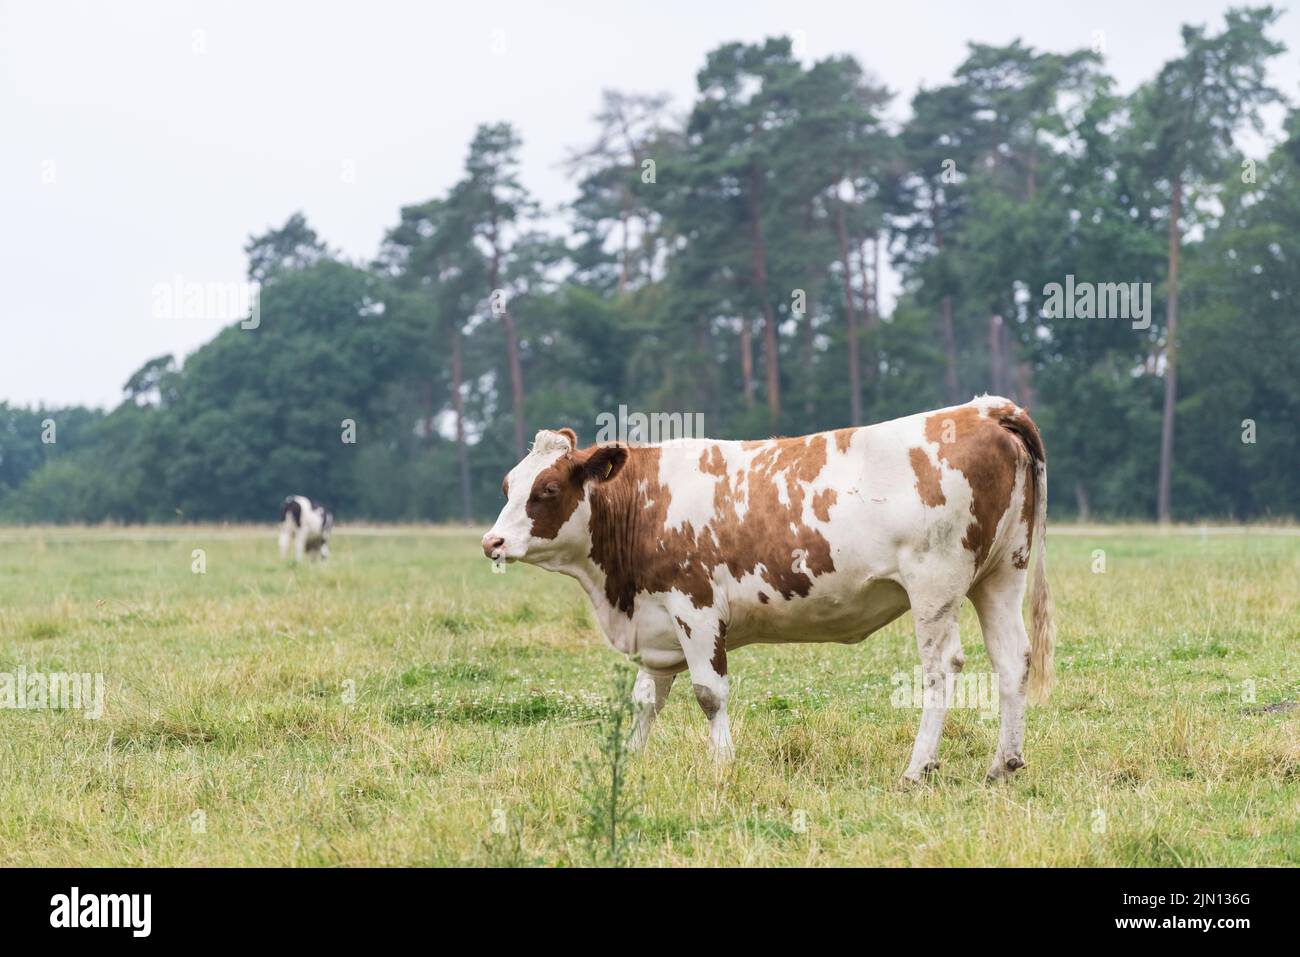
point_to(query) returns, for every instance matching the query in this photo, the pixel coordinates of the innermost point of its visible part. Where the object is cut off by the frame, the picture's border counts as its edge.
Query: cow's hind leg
(939, 642)
(997, 600)
(648, 697)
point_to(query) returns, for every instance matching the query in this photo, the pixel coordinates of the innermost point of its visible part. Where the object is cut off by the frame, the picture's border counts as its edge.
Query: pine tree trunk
(704, 384)
(809, 360)
(1025, 386)
(624, 216)
(429, 414)
(870, 271)
(512, 353)
(516, 380)
(851, 319)
(949, 351)
(1163, 510)
(1081, 499)
(806, 333)
(1021, 387)
(770, 357)
(875, 275)
(747, 362)
(947, 333)
(997, 380)
(458, 404)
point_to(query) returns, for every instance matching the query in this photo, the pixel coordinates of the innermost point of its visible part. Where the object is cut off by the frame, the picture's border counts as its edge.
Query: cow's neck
(616, 625)
(611, 513)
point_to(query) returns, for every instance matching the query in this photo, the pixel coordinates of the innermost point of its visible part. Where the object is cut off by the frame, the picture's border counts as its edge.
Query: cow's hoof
(1005, 769)
(913, 777)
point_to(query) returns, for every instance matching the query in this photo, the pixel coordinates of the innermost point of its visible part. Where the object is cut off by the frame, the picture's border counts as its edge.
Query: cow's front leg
(939, 642)
(299, 545)
(705, 647)
(649, 695)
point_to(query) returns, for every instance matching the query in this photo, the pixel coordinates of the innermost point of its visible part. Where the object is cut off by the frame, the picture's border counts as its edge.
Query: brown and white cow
(692, 549)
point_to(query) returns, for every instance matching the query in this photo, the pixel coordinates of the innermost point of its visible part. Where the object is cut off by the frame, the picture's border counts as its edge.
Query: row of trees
(728, 261)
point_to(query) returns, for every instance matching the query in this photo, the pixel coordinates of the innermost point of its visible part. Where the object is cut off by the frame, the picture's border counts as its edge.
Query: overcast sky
(142, 141)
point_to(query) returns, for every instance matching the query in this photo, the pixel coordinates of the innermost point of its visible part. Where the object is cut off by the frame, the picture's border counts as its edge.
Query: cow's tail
(1042, 626)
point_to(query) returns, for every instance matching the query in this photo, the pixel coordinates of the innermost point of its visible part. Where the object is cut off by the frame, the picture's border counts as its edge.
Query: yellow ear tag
(609, 467)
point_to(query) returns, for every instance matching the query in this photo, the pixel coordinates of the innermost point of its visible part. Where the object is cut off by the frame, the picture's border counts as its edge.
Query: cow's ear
(604, 462)
(571, 435)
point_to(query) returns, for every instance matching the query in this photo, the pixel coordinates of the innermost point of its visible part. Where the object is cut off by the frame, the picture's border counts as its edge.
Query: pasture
(402, 705)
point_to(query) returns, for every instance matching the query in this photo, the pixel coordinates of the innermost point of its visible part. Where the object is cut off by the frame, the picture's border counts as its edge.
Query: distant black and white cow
(692, 549)
(307, 525)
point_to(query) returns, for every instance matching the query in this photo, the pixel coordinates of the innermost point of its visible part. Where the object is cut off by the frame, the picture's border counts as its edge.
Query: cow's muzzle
(493, 546)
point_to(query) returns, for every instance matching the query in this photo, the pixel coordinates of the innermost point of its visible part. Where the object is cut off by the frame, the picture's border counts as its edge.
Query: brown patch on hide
(719, 659)
(559, 487)
(1029, 504)
(554, 497)
(987, 455)
(822, 503)
(712, 462)
(709, 702)
(638, 552)
(928, 486)
(1017, 422)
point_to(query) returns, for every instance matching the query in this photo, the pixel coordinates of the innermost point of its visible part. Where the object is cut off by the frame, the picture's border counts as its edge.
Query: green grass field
(388, 708)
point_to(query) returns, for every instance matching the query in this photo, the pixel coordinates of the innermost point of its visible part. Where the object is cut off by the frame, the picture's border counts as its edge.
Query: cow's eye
(549, 490)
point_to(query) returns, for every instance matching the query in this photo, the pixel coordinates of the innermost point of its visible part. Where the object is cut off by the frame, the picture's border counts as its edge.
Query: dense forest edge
(723, 258)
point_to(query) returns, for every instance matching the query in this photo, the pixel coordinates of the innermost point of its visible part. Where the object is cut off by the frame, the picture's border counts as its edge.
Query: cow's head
(547, 506)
